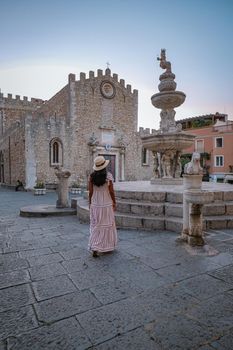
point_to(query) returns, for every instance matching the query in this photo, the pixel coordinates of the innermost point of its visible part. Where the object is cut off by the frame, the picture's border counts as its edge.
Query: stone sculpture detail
(164, 64)
(194, 167)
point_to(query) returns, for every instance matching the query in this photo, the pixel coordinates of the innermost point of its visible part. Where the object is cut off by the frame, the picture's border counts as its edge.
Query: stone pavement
(151, 293)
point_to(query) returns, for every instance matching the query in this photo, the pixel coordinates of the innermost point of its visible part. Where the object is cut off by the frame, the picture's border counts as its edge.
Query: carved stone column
(62, 191)
(195, 225)
(189, 182)
(122, 157)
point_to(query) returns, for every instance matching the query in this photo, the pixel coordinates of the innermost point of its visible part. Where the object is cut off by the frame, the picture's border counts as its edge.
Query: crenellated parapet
(147, 131)
(19, 102)
(100, 74)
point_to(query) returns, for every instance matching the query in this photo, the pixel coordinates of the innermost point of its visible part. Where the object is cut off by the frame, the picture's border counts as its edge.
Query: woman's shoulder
(109, 176)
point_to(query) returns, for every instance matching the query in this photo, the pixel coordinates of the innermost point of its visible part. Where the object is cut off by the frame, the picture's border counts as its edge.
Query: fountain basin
(168, 99)
(199, 197)
(169, 141)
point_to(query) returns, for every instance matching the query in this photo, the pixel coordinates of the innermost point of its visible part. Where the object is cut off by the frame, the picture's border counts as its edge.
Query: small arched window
(56, 152)
(145, 156)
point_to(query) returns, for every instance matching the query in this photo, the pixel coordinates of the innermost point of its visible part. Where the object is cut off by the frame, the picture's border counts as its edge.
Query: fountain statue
(168, 142)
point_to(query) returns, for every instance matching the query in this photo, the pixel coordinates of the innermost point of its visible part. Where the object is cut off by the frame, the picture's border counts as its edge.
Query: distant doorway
(112, 164)
(1, 167)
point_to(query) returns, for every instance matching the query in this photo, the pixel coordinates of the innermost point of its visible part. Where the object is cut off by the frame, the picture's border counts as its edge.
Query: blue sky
(43, 41)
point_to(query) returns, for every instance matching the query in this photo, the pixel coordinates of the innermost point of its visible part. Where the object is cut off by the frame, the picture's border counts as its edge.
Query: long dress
(103, 233)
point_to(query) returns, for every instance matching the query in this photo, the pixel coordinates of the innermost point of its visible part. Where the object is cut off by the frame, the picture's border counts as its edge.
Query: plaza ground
(151, 293)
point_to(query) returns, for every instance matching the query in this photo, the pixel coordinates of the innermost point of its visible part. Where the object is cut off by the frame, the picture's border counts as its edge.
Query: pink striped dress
(103, 233)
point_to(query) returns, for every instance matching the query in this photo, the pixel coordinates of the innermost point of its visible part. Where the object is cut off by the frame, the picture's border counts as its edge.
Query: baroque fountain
(168, 142)
(168, 202)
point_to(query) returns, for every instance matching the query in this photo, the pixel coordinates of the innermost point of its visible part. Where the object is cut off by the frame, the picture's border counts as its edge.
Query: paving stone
(117, 290)
(225, 274)
(90, 278)
(225, 342)
(16, 245)
(165, 300)
(65, 334)
(45, 271)
(14, 297)
(74, 265)
(14, 278)
(63, 246)
(45, 259)
(224, 248)
(66, 306)
(14, 322)
(180, 271)
(43, 243)
(137, 339)
(52, 287)
(215, 313)
(137, 273)
(74, 253)
(2, 345)
(34, 252)
(204, 286)
(112, 320)
(222, 259)
(179, 332)
(11, 262)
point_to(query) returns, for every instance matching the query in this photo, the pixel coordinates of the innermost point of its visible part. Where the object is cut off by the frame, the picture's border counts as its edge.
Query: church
(90, 116)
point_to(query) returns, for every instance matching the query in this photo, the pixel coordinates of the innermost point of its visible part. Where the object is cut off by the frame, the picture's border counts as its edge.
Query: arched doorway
(112, 164)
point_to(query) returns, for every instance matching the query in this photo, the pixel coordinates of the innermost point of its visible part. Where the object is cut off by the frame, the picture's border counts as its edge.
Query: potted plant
(39, 188)
(75, 188)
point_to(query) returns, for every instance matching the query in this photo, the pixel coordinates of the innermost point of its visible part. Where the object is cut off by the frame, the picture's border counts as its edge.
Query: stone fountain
(168, 142)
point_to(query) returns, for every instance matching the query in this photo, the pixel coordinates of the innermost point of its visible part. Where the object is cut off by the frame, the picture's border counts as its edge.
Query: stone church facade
(95, 115)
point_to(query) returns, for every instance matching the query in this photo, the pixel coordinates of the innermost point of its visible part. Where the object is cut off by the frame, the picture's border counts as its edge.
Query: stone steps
(170, 209)
(171, 219)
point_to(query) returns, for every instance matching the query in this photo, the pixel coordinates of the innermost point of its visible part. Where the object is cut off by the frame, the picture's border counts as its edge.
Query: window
(56, 152)
(219, 161)
(218, 142)
(199, 145)
(145, 156)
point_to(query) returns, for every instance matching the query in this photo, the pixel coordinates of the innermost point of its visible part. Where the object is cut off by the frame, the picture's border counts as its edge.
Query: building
(214, 140)
(95, 115)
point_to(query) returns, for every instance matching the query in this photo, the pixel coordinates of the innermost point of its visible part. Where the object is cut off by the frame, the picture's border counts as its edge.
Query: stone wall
(12, 134)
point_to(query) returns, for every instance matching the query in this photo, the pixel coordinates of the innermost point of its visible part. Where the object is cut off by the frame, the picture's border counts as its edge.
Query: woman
(102, 204)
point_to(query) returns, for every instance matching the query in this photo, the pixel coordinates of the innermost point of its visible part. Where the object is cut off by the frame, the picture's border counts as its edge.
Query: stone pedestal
(193, 199)
(62, 190)
(189, 182)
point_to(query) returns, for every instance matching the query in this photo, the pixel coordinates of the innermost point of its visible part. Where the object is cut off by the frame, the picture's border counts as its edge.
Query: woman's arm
(112, 194)
(90, 188)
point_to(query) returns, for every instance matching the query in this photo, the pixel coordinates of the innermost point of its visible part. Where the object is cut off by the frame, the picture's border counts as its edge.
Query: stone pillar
(62, 191)
(195, 225)
(189, 182)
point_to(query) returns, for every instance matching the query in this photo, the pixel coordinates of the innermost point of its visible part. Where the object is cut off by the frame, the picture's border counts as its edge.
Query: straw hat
(100, 163)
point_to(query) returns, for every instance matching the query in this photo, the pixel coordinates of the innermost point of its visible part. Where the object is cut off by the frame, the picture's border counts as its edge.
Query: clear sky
(43, 41)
